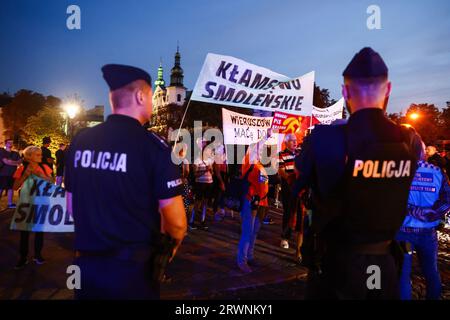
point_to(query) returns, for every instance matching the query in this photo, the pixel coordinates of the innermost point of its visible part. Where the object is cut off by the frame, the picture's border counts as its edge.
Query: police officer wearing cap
(359, 173)
(123, 191)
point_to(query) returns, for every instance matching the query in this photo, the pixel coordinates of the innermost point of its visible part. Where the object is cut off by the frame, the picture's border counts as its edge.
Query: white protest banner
(230, 81)
(243, 129)
(42, 208)
(328, 115)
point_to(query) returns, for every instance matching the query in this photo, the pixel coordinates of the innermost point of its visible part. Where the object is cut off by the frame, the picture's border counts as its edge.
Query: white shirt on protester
(203, 175)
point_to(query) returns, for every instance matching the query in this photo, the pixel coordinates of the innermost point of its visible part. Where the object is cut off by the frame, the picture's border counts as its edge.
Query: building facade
(169, 102)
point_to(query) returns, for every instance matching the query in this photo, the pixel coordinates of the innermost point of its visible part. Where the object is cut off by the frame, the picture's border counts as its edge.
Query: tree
(428, 124)
(5, 98)
(321, 98)
(445, 120)
(52, 102)
(398, 118)
(20, 108)
(46, 123)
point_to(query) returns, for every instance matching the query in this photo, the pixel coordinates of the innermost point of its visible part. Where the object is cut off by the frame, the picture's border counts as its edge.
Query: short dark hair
(61, 144)
(46, 140)
(8, 139)
(119, 97)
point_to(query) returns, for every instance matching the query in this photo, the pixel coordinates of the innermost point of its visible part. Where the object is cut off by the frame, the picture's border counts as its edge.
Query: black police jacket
(360, 175)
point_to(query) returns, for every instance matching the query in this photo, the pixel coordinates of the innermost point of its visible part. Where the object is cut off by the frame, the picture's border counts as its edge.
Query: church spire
(176, 76)
(159, 82)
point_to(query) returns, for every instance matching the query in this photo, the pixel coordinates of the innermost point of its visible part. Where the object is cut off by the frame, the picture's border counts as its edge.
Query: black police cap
(118, 76)
(366, 64)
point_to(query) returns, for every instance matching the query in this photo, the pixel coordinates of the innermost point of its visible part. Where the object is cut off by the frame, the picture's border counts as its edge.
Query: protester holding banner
(254, 206)
(32, 165)
(203, 171)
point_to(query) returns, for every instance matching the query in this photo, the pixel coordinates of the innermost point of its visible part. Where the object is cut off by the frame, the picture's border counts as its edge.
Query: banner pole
(181, 124)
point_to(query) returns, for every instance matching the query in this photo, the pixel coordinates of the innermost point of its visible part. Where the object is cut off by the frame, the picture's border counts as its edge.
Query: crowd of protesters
(208, 186)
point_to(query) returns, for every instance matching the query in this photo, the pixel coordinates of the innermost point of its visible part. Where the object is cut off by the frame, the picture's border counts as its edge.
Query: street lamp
(70, 110)
(414, 116)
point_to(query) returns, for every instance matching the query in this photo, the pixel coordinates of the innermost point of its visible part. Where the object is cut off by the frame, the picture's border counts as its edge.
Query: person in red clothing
(31, 166)
(254, 206)
(287, 175)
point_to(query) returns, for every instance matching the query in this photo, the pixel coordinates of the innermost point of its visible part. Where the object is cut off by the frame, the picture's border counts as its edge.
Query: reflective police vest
(424, 192)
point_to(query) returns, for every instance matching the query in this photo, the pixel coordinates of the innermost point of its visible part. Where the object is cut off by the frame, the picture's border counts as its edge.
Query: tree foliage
(431, 124)
(321, 98)
(46, 122)
(19, 108)
(445, 120)
(5, 98)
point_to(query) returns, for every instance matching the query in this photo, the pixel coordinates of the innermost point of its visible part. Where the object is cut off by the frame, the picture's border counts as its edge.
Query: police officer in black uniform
(360, 174)
(123, 191)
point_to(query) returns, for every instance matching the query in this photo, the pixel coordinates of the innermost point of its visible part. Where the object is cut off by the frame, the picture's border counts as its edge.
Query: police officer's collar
(123, 119)
(367, 112)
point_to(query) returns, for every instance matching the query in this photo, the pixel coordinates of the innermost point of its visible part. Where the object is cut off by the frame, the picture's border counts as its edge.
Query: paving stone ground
(204, 268)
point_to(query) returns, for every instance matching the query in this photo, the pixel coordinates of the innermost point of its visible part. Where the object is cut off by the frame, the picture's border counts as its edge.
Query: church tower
(159, 94)
(176, 92)
(160, 81)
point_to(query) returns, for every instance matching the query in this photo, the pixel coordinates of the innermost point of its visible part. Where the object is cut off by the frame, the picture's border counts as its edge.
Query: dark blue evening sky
(293, 37)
